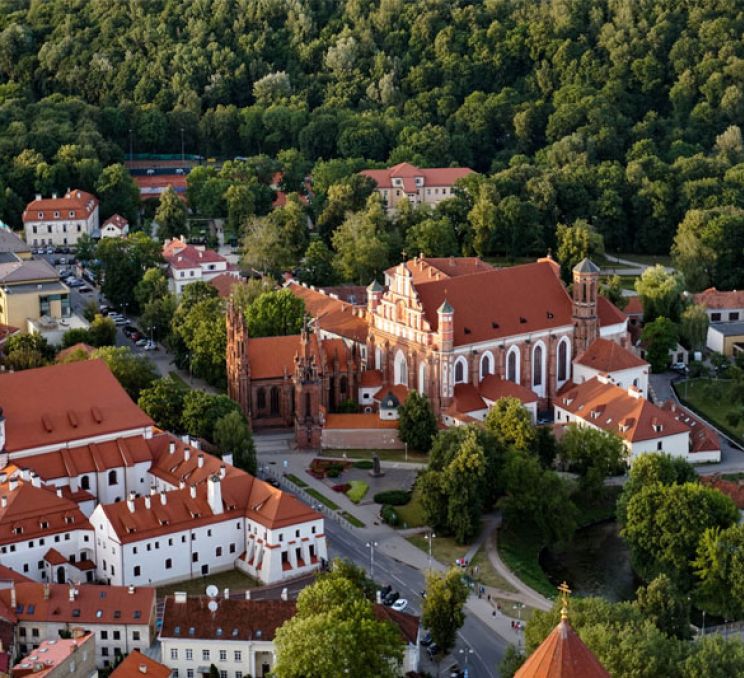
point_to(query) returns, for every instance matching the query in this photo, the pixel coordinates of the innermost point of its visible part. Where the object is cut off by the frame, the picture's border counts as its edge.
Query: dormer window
(71, 214)
(41, 215)
(56, 215)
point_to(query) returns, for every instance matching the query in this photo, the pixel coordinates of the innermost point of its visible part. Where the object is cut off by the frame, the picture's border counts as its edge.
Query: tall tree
(659, 337)
(275, 313)
(417, 424)
(163, 401)
(575, 243)
(510, 423)
(694, 326)
(170, 215)
(442, 611)
(660, 292)
(118, 193)
(232, 435)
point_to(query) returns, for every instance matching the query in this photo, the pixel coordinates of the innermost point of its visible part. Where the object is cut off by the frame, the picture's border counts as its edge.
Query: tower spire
(565, 592)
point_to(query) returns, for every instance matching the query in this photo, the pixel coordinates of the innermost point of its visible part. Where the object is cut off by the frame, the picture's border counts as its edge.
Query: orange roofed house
(456, 329)
(60, 221)
(419, 186)
(75, 447)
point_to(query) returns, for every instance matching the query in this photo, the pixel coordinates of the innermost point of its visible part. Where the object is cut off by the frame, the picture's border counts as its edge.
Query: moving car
(400, 605)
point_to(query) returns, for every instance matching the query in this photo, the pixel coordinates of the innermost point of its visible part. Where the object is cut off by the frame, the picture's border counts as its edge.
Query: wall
(24, 556)
(360, 439)
(58, 235)
(622, 378)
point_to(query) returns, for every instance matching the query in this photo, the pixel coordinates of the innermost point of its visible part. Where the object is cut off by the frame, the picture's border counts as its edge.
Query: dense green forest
(620, 112)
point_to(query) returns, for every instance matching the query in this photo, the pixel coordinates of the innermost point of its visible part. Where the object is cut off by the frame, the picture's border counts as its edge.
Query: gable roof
(608, 313)
(136, 665)
(71, 401)
(189, 256)
(634, 306)
(224, 283)
(521, 299)
(80, 203)
(10, 242)
(13, 269)
(714, 299)
(612, 409)
(494, 388)
(116, 604)
(117, 221)
(333, 315)
(562, 655)
(273, 357)
(407, 173)
(427, 269)
(702, 436)
(467, 399)
(605, 355)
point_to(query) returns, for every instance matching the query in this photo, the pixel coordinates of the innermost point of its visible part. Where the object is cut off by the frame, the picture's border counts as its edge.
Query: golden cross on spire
(565, 591)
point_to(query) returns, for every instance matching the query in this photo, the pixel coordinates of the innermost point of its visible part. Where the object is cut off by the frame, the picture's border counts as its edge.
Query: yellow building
(30, 289)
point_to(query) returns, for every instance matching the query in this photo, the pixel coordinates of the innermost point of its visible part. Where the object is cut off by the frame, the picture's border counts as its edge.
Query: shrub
(365, 464)
(357, 491)
(393, 497)
(341, 487)
(333, 472)
(388, 515)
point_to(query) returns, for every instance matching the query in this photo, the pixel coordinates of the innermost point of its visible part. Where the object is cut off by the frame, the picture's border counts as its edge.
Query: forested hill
(609, 110)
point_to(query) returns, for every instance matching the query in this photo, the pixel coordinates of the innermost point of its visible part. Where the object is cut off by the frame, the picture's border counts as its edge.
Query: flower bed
(357, 491)
(327, 468)
(341, 487)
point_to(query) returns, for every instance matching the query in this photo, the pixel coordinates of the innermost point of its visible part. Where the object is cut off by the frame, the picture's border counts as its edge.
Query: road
(487, 647)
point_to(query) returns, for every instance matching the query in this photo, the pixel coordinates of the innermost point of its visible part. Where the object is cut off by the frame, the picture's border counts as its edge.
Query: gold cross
(565, 591)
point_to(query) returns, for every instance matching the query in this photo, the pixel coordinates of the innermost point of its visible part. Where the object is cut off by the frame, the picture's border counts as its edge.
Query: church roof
(562, 655)
(608, 356)
(375, 286)
(586, 265)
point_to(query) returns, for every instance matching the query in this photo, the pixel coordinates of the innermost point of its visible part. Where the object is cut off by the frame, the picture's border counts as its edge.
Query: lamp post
(183, 154)
(371, 545)
(467, 651)
(430, 538)
(406, 444)
(703, 622)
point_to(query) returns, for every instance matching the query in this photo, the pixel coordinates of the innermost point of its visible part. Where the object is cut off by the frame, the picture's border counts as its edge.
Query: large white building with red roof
(419, 186)
(191, 263)
(60, 221)
(78, 450)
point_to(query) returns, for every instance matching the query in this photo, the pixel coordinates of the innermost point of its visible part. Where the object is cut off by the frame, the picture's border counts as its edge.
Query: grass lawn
(520, 551)
(352, 519)
(384, 455)
(487, 574)
(322, 498)
(412, 513)
(712, 399)
(294, 479)
(357, 490)
(508, 609)
(443, 549)
(233, 579)
(178, 379)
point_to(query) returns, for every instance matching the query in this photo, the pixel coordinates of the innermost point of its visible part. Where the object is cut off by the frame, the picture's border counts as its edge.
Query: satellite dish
(212, 606)
(212, 591)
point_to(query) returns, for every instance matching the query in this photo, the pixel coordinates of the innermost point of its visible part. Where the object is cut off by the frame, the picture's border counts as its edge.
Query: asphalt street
(487, 647)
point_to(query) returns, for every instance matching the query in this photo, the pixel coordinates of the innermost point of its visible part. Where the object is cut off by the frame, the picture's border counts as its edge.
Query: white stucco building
(115, 226)
(189, 263)
(608, 357)
(60, 221)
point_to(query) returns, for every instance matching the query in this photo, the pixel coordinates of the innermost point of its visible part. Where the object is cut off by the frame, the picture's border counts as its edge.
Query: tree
(361, 251)
(232, 435)
(86, 248)
(76, 335)
(719, 568)
(417, 424)
(510, 423)
(275, 313)
(612, 289)
(170, 215)
(102, 331)
(202, 411)
(694, 326)
(26, 351)
(593, 454)
(118, 193)
(153, 286)
(198, 333)
(157, 315)
(659, 337)
(433, 237)
(164, 401)
(317, 264)
(442, 612)
(336, 607)
(264, 247)
(133, 372)
(714, 657)
(665, 606)
(90, 310)
(575, 243)
(463, 482)
(660, 293)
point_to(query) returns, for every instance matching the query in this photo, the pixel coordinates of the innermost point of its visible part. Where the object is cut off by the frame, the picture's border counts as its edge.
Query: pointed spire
(565, 592)
(375, 286)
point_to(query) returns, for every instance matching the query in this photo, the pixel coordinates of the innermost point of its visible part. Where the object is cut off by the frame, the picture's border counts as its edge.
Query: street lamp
(406, 444)
(467, 652)
(703, 622)
(430, 538)
(371, 545)
(518, 607)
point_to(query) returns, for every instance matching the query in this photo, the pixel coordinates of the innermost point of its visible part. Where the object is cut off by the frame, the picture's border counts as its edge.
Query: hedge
(393, 497)
(388, 514)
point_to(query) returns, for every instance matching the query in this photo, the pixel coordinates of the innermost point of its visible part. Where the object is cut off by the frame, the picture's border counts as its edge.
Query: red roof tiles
(608, 313)
(704, 438)
(608, 356)
(115, 220)
(427, 269)
(224, 283)
(719, 300)
(358, 421)
(494, 388)
(72, 401)
(467, 399)
(433, 176)
(273, 357)
(334, 316)
(75, 204)
(137, 665)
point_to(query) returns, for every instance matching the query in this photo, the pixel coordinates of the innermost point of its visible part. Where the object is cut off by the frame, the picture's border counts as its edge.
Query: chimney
(4, 502)
(143, 668)
(604, 378)
(13, 601)
(186, 453)
(223, 471)
(72, 592)
(214, 494)
(13, 484)
(180, 596)
(227, 594)
(227, 458)
(163, 498)
(285, 593)
(200, 459)
(147, 502)
(35, 480)
(38, 196)
(47, 591)
(131, 590)
(153, 490)
(54, 196)
(181, 484)
(171, 447)
(130, 501)
(59, 492)
(192, 491)
(247, 594)
(635, 392)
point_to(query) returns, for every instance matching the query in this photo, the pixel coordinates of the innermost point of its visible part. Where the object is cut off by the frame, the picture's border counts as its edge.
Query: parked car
(390, 598)
(432, 650)
(454, 671)
(85, 290)
(50, 250)
(400, 605)
(151, 346)
(120, 321)
(142, 341)
(426, 640)
(680, 367)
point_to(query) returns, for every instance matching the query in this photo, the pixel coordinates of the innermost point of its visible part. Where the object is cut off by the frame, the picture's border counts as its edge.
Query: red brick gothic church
(456, 329)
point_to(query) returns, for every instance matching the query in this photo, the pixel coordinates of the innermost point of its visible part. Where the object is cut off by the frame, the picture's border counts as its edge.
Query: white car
(142, 342)
(400, 605)
(151, 346)
(120, 321)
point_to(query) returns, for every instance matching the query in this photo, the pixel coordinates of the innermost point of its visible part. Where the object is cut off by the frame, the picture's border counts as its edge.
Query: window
(223, 655)
(117, 635)
(25, 567)
(174, 653)
(85, 483)
(174, 673)
(195, 557)
(715, 317)
(135, 635)
(261, 399)
(218, 552)
(232, 548)
(223, 674)
(205, 655)
(104, 635)
(104, 652)
(562, 360)
(189, 655)
(734, 316)
(35, 633)
(512, 368)
(137, 570)
(460, 367)
(537, 366)
(190, 673)
(168, 563)
(112, 478)
(274, 400)
(238, 674)
(486, 365)
(238, 656)
(658, 446)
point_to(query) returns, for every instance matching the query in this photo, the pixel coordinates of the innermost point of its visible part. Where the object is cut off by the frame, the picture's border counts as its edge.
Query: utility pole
(430, 538)
(371, 545)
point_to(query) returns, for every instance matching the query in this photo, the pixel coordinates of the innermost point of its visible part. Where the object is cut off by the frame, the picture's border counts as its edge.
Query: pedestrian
(489, 597)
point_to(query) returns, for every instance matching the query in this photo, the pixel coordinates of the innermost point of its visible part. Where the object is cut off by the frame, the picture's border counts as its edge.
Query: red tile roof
(6, 331)
(54, 557)
(562, 655)
(238, 619)
(116, 604)
(350, 294)
(335, 316)
(358, 421)
(608, 313)
(608, 356)
(467, 399)
(399, 391)
(634, 306)
(273, 357)
(433, 176)
(494, 388)
(189, 256)
(50, 655)
(370, 379)
(71, 401)
(632, 418)
(521, 299)
(224, 283)
(79, 202)
(6, 574)
(427, 269)
(731, 488)
(115, 220)
(704, 438)
(718, 299)
(137, 665)
(36, 512)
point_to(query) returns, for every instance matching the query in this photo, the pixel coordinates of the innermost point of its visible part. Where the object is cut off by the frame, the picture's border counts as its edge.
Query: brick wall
(360, 439)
